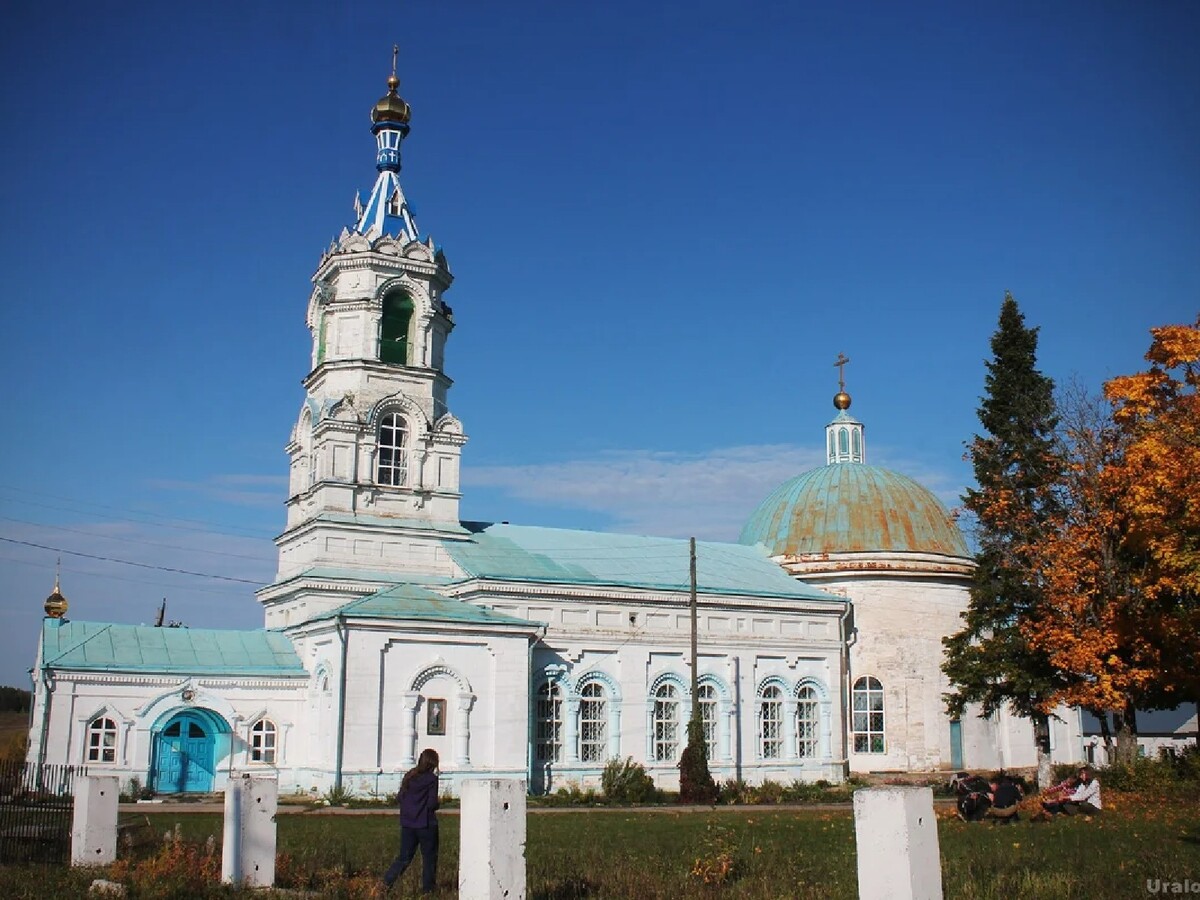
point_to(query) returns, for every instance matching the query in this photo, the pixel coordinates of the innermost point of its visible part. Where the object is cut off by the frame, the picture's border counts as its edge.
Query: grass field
(776, 853)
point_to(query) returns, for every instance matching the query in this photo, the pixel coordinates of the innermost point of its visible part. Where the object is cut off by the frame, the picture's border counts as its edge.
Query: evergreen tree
(696, 783)
(990, 661)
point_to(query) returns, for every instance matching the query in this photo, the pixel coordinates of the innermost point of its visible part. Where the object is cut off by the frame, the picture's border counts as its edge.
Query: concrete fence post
(248, 849)
(94, 820)
(896, 835)
(491, 861)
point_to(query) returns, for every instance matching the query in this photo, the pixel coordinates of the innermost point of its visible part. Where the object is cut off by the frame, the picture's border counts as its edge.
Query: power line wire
(148, 517)
(216, 591)
(113, 537)
(126, 562)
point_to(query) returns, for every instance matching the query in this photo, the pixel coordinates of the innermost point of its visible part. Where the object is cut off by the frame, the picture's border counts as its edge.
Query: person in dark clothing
(1005, 796)
(973, 794)
(418, 824)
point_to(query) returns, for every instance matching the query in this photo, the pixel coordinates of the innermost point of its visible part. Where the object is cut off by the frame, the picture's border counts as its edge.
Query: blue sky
(665, 220)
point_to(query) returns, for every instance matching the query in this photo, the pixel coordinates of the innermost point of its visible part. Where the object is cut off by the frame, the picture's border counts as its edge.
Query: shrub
(768, 792)
(733, 792)
(715, 858)
(696, 783)
(625, 781)
(136, 791)
(14, 747)
(178, 869)
(337, 795)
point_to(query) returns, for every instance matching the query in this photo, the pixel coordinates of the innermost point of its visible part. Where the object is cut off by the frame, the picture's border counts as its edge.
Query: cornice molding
(297, 682)
(562, 593)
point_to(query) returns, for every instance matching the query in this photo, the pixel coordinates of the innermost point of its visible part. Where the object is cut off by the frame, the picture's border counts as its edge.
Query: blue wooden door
(184, 755)
(956, 760)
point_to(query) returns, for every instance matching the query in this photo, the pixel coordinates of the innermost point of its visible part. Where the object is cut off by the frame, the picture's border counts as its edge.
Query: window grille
(868, 715)
(393, 457)
(808, 723)
(593, 723)
(770, 719)
(549, 723)
(706, 696)
(666, 723)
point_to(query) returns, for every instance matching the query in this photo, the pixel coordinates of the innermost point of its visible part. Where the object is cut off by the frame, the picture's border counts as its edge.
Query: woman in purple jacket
(418, 824)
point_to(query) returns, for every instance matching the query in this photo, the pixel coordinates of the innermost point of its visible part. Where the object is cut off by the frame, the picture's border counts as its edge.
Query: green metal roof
(111, 647)
(413, 602)
(849, 507)
(562, 556)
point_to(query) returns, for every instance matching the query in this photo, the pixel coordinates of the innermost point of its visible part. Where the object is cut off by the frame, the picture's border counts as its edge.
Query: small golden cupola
(391, 106)
(56, 603)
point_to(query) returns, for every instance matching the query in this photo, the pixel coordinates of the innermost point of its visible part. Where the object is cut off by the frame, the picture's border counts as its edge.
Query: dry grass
(786, 852)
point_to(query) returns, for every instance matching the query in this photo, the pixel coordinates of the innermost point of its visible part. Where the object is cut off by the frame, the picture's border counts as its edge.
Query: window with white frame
(666, 723)
(392, 467)
(102, 740)
(593, 723)
(262, 742)
(868, 715)
(706, 697)
(808, 722)
(549, 723)
(770, 722)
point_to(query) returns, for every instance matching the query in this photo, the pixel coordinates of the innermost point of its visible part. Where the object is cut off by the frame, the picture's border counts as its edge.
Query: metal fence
(36, 804)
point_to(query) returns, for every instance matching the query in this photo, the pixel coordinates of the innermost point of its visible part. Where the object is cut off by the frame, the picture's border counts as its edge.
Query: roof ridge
(74, 647)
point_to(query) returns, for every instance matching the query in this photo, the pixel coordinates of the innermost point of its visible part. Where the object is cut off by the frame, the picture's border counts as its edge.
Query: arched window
(393, 457)
(666, 723)
(868, 715)
(832, 445)
(706, 697)
(549, 723)
(102, 741)
(393, 329)
(262, 742)
(808, 723)
(856, 438)
(843, 442)
(770, 722)
(593, 723)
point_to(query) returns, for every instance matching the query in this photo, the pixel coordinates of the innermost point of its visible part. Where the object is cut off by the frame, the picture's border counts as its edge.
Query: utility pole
(695, 656)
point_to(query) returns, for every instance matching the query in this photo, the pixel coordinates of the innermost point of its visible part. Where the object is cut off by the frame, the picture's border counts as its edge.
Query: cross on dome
(844, 435)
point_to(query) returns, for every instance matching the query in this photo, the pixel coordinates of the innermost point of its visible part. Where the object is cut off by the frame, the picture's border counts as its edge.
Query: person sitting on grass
(973, 799)
(1005, 795)
(1085, 800)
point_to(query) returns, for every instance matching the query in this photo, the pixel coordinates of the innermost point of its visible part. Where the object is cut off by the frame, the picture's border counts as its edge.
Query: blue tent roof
(111, 647)
(563, 556)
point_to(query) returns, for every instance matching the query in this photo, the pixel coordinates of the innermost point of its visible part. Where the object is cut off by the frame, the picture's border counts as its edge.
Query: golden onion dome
(56, 603)
(841, 400)
(391, 106)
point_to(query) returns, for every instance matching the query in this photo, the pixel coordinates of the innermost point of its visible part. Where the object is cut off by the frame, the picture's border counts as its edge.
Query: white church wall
(900, 623)
(409, 686)
(138, 705)
(636, 648)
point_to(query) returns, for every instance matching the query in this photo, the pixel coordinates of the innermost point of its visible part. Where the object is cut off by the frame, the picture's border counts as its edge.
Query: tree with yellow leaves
(1119, 563)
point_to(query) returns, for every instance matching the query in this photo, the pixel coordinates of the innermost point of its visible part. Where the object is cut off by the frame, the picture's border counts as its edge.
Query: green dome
(852, 507)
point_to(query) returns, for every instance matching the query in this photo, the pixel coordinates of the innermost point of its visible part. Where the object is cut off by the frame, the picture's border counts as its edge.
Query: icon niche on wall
(435, 717)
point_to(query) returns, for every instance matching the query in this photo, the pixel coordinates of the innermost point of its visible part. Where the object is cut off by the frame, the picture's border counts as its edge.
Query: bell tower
(374, 456)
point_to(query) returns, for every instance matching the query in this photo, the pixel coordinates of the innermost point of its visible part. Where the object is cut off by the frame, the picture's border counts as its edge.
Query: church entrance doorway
(185, 753)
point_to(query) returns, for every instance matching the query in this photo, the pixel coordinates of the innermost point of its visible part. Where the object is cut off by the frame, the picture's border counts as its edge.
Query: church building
(520, 651)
